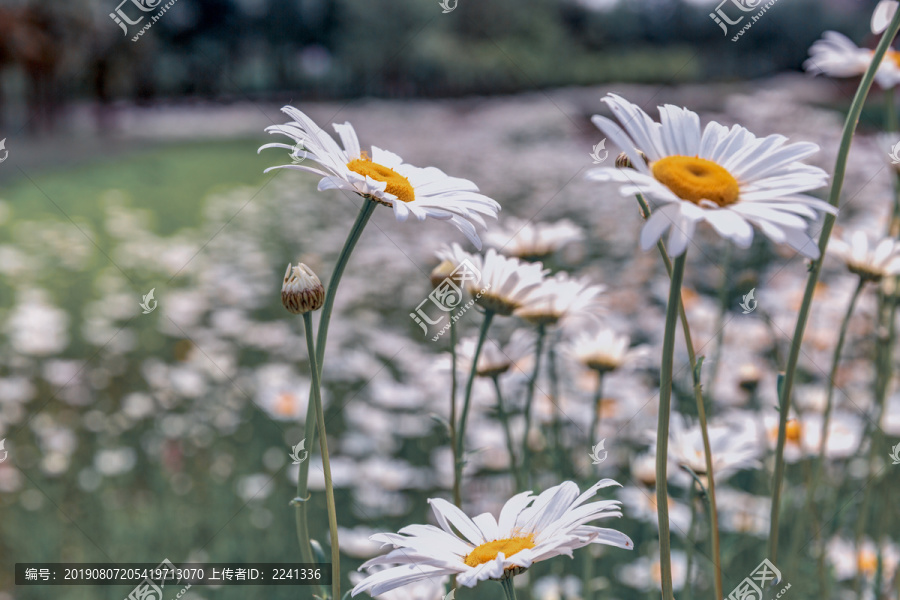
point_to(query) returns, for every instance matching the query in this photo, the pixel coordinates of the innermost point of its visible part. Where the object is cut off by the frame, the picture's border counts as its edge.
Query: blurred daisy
(734, 446)
(530, 529)
(803, 435)
(504, 283)
(560, 297)
(848, 560)
(382, 176)
(870, 263)
(495, 360)
(835, 55)
(551, 587)
(644, 573)
(726, 177)
(605, 351)
(533, 241)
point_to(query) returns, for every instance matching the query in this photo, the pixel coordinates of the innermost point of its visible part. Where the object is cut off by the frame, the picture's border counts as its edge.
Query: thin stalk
(309, 431)
(815, 268)
(690, 545)
(662, 431)
(556, 425)
(510, 447)
(467, 400)
(326, 461)
(701, 416)
(457, 494)
(529, 399)
(598, 398)
(508, 588)
(832, 374)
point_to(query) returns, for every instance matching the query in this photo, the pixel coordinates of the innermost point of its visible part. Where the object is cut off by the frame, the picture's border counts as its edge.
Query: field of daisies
(578, 344)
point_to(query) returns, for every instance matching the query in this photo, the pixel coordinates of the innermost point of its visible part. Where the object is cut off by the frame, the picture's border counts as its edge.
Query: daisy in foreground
(727, 177)
(382, 176)
(530, 529)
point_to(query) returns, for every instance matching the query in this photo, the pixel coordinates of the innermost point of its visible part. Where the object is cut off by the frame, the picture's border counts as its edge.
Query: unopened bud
(623, 162)
(301, 291)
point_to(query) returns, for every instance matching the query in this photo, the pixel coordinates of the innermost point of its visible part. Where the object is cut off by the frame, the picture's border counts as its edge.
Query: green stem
(815, 268)
(510, 447)
(829, 398)
(529, 399)
(467, 400)
(326, 460)
(508, 588)
(309, 430)
(690, 543)
(556, 425)
(457, 493)
(662, 430)
(701, 415)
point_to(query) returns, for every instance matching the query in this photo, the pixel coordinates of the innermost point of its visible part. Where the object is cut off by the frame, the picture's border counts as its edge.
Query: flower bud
(302, 291)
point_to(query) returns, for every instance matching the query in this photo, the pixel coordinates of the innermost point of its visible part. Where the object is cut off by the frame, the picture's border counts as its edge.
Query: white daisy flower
(503, 284)
(382, 176)
(530, 529)
(605, 350)
(734, 446)
(495, 360)
(727, 177)
(835, 55)
(533, 241)
(871, 262)
(560, 297)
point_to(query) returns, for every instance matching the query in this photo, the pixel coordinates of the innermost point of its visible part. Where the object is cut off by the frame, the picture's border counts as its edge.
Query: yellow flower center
(893, 56)
(696, 179)
(397, 184)
(793, 430)
(867, 562)
(489, 551)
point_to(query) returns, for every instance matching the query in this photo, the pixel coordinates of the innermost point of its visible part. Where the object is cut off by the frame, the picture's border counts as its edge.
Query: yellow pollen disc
(490, 550)
(695, 179)
(892, 55)
(793, 430)
(867, 561)
(397, 184)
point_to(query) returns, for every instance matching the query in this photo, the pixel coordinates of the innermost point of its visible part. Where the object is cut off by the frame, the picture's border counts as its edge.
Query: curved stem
(815, 268)
(467, 400)
(723, 309)
(326, 461)
(701, 415)
(662, 430)
(457, 494)
(558, 457)
(510, 447)
(529, 399)
(309, 429)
